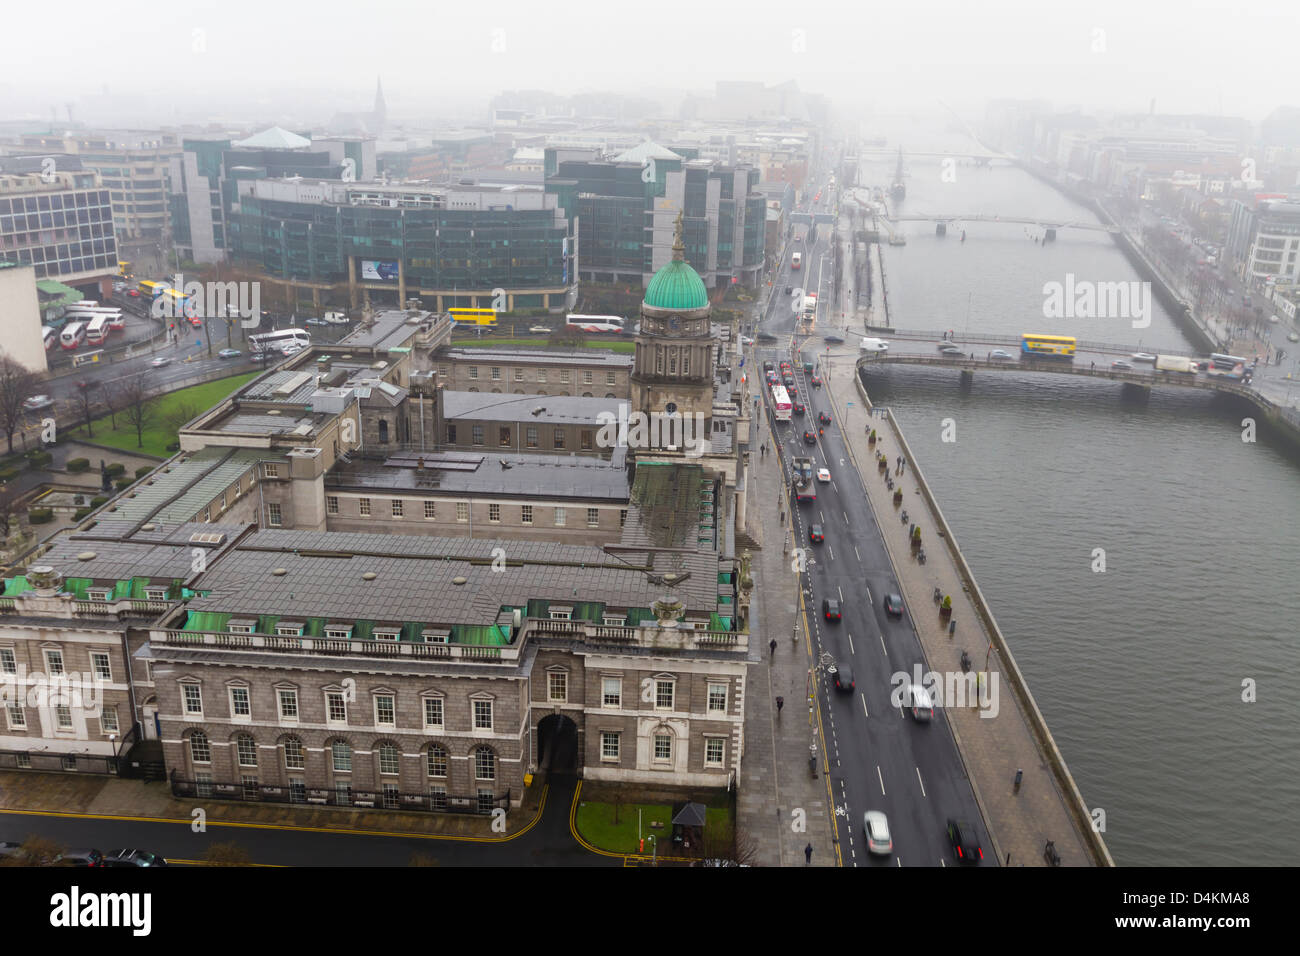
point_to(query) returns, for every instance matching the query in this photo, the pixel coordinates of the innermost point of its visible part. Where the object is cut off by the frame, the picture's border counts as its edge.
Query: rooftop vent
(86, 556)
(369, 576)
(148, 527)
(460, 579)
(280, 572)
(213, 538)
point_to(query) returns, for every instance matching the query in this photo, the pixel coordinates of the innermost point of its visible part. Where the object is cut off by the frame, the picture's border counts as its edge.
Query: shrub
(122, 483)
(143, 470)
(40, 459)
(174, 446)
(115, 469)
(8, 474)
(40, 515)
(81, 513)
(78, 464)
(98, 500)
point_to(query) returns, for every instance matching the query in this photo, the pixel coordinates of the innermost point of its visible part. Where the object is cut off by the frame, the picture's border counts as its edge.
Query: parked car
(291, 349)
(133, 858)
(815, 534)
(229, 353)
(79, 858)
(831, 609)
(809, 438)
(314, 321)
(133, 293)
(894, 605)
(876, 826)
(823, 475)
(746, 340)
(37, 402)
(160, 361)
(843, 677)
(965, 844)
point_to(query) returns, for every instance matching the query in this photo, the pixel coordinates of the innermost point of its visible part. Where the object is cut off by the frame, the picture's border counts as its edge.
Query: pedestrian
(780, 701)
(807, 855)
(771, 645)
(1092, 365)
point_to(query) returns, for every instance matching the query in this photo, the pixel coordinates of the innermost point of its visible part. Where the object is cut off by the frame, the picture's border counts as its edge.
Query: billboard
(375, 271)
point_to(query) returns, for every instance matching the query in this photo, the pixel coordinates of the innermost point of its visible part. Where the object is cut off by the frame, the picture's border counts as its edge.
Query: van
(874, 345)
(336, 318)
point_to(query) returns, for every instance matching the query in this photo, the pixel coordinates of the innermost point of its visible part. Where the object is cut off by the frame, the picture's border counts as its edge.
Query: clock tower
(672, 374)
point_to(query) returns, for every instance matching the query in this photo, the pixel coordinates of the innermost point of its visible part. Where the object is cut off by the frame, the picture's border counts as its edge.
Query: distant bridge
(983, 159)
(1051, 226)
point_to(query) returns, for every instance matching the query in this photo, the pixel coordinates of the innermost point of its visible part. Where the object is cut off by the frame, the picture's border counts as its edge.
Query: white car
(160, 361)
(823, 475)
(291, 350)
(540, 329)
(918, 699)
(873, 345)
(1143, 357)
(746, 340)
(1001, 354)
(37, 402)
(876, 825)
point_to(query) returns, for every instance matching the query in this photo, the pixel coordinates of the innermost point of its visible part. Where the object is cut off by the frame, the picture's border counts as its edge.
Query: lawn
(595, 822)
(616, 345)
(159, 435)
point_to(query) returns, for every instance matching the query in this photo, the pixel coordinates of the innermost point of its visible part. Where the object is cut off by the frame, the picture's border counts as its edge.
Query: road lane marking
(881, 777)
(920, 781)
(863, 695)
(856, 555)
(831, 551)
(868, 595)
(840, 591)
(851, 651)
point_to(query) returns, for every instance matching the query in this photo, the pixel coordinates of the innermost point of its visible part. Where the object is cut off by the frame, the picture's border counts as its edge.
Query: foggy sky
(180, 61)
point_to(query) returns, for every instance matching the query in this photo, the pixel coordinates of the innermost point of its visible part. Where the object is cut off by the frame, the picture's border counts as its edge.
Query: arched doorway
(149, 729)
(557, 745)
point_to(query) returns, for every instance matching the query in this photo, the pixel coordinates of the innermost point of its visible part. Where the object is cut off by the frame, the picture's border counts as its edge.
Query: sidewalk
(776, 781)
(992, 749)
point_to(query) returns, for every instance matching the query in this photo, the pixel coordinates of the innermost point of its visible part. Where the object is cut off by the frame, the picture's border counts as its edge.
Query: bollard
(1020, 775)
(952, 626)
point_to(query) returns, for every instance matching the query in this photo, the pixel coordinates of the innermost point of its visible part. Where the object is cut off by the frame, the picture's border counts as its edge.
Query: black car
(965, 844)
(833, 340)
(831, 609)
(133, 858)
(765, 337)
(823, 418)
(768, 366)
(80, 858)
(816, 535)
(894, 605)
(809, 438)
(843, 675)
(798, 408)
(789, 290)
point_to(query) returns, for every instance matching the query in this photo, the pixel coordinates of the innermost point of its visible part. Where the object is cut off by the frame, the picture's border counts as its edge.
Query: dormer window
(561, 613)
(338, 632)
(288, 629)
(240, 626)
(436, 635)
(98, 594)
(155, 594)
(386, 633)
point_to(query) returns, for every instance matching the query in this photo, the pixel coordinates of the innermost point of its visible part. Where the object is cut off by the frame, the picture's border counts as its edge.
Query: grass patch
(489, 342)
(159, 435)
(595, 822)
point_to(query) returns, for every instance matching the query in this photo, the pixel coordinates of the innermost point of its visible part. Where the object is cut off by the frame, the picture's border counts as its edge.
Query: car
(842, 674)
(823, 475)
(1293, 337)
(876, 826)
(805, 493)
(951, 350)
(540, 329)
(133, 293)
(133, 858)
(1121, 364)
(79, 858)
(229, 353)
(809, 438)
(831, 609)
(766, 337)
(793, 391)
(37, 402)
(336, 318)
(816, 381)
(798, 408)
(816, 535)
(918, 700)
(1001, 354)
(789, 290)
(314, 321)
(291, 349)
(768, 366)
(160, 361)
(787, 379)
(746, 340)
(824, 418)
(965, 844)
(894, 605)
(1143, 357)
(833, 339)
(771, 378)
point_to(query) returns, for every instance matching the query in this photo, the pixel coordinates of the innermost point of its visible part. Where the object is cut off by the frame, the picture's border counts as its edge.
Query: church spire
(679, 246)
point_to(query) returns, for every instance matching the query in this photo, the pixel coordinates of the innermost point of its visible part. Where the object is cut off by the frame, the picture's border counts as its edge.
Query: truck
(873, 345)
(1175, 363)
(809, 310)
(801, 470)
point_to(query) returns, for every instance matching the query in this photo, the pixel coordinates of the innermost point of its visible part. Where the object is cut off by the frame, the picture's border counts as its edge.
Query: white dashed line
(920, 781)
(881, 777)
(864, 704)
(850, 644)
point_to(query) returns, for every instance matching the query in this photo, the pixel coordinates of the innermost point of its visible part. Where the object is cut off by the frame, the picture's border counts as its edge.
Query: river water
(1144, 672)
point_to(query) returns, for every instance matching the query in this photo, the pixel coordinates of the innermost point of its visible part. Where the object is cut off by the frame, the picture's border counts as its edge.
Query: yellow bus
(485, 317)
(1061, 346)
(123, 268)
(150, 288)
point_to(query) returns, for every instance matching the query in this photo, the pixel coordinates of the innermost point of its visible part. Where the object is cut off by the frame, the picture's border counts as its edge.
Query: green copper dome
(676, 286)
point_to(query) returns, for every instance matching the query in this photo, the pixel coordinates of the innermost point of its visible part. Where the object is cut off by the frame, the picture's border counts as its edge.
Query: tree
(8, 512)
(730, 843)
(85, 399)
(570, 337)
(179, 416)
(138, 406)
(35, 851)
(108, 392)
(17, 384)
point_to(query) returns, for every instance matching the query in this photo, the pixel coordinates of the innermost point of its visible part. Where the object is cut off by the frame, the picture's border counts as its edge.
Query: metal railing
(435, 802)
(334, 647)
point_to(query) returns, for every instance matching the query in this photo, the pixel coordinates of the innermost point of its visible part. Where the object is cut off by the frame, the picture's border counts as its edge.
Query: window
(17, 717)
(557, 686)
(64, 715)
(462, 511)
(363, 505)
(503, 436)
(332, 504)
(193, 698)
(530, 436)
(482, 715)
(246, 751)
(203, 785)
(270, 471)
(99, 663)
(390, 795)
(718, 698)
(239, 627)
(433, 712)
(663, 747)
(496, 374)
(397, 507)
(437, 798)
(564, 376)
(155, 594)
(338, 632)
(54, 662)
(611, 692)
(223, 502)
(343, 793)
(431, 509)
(288, 704)
(560, 613)
(388, 758)
(608, 746)
(560, 517)
(587, 439)
(586, 377)
(437, 762)
(341, 755)
(288, 629)
(473, 371)
(559, 438)
(337, 708)
(477, 431)
(593, 517)
(485, 764)
(494, 512)
(519, 375)
(273, 514)
(714, 749)
(108, 721)
(239, 703)
(541, 375)
(451, 434)
(609, 378)
(8, 662)
(293, 758)
(385, 710)
(663, 695)
(526, 514)
(249, 786)
(622, 517)
(297, 790)
(200, 749)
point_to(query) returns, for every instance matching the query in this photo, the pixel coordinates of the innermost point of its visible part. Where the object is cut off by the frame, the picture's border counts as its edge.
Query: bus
(1055, 346)
(50, 335)
(782, 407)
(97, 330)
(481, 317)
(177, 303)
(596, 323)
(279, 340)
(123, 268)
(150, 288)
(797, 261)
(73, 334)
(1226, 366)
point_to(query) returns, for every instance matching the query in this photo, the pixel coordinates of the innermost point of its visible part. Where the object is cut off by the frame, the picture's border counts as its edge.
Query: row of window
(388, 756)
(715, 748)
(336, 706)
(108, 723)
(505, 436)
(397, 508)
(495, 375)
(100, 661)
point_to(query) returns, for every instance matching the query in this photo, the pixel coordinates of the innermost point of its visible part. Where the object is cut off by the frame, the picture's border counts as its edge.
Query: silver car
(918, 699)
(876, 826)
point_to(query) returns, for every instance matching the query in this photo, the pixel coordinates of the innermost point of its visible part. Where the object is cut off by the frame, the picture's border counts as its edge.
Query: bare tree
(179, 417)
(86, 399)
(138, 406)
(108, 393)
(567, 336)
(17, 384)
(730, 843)
(8, 512)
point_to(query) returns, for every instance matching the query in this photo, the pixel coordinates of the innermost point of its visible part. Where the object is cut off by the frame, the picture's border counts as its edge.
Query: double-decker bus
(1055, 346)
(796, 261)
(596, 323)
(279, 340)
(782, 407)
(73, 334)
(1226, 366)
(177, 303)
(97, 330)
(150, 288)
(123, 268)
(485, 318)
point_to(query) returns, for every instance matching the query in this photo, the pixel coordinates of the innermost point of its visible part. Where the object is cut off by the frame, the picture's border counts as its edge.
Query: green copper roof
(676, 286)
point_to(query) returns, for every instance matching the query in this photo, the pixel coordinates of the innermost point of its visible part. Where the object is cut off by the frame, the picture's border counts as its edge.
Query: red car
(815, 534)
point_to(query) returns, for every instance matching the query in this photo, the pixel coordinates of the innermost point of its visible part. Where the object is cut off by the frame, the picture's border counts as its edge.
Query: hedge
(122, 483)
(40, 515)
(98, 500)
(143, 470)
(78, 464)
(8, 474)
(39, 459)
(174, 446)
(115, 469)
(81, 513)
